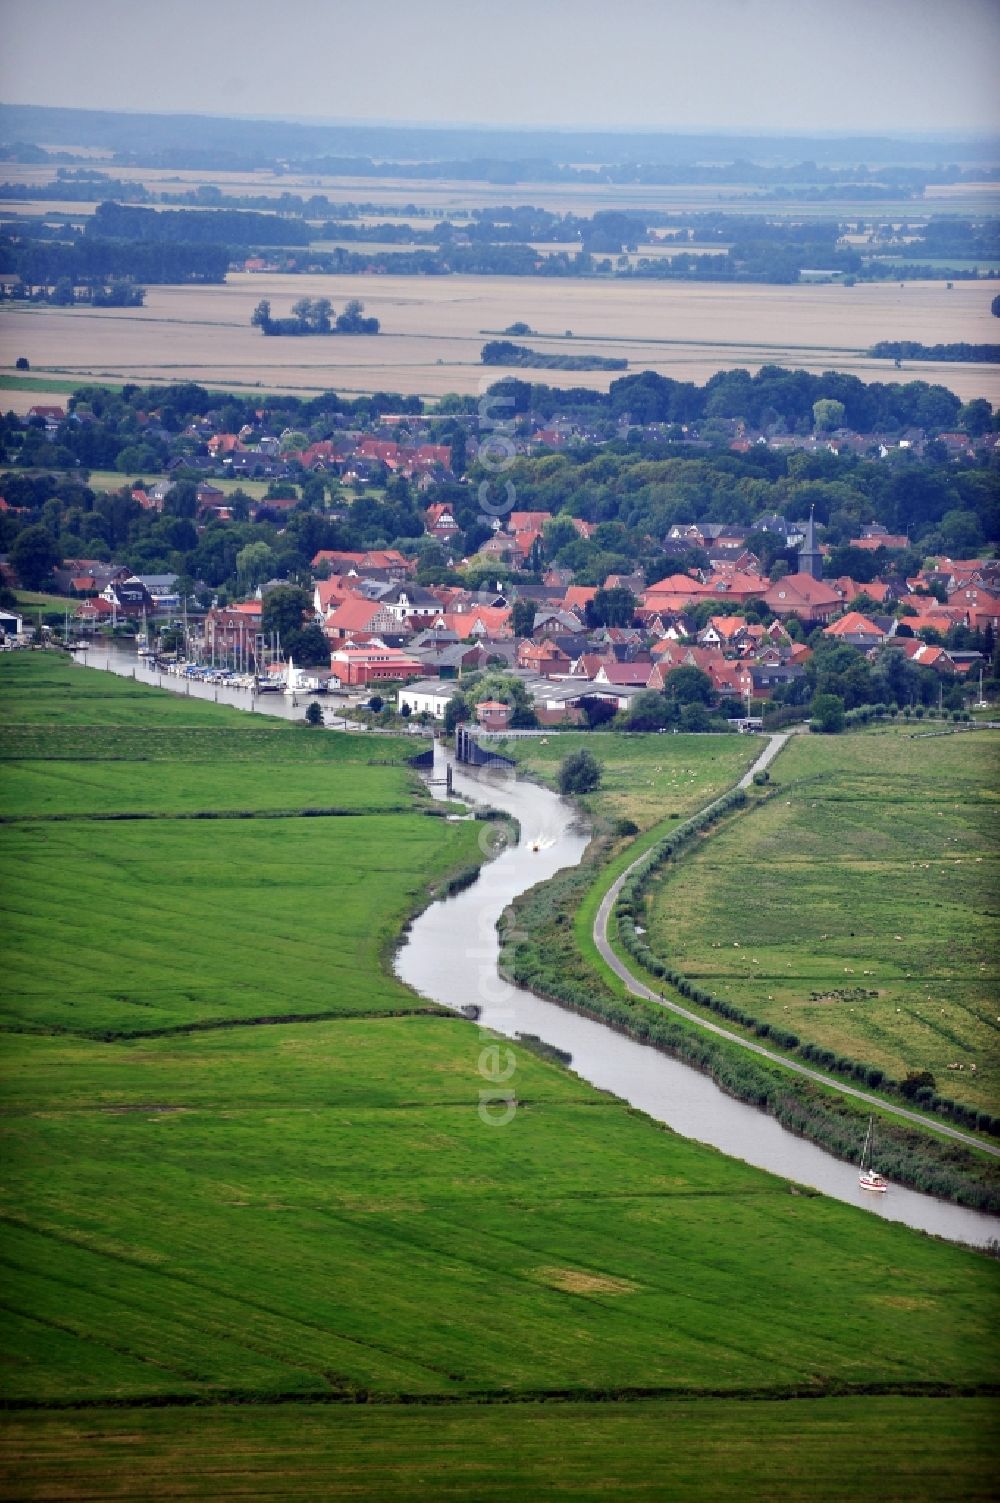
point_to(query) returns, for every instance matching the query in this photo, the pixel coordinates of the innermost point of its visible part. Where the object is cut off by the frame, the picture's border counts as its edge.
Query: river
(450, 955)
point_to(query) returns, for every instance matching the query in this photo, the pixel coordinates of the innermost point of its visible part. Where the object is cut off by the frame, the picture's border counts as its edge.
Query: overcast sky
(800, 65)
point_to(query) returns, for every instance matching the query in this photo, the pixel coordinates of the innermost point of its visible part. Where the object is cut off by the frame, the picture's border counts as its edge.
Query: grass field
(60, 788)
(869, 926)
(33, 601)
(34, 384)
(645, 778)
(432, 332)
(896, 1450)
(260, 1217)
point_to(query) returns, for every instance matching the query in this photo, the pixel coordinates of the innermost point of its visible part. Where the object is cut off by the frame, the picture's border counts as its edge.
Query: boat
(868, 1176)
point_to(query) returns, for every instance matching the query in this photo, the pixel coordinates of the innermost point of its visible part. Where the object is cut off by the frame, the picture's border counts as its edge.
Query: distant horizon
(387, 122)
(790, 65)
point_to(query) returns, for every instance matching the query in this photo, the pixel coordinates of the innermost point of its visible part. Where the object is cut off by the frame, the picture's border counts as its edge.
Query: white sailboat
(868, 1176)
(142, 640)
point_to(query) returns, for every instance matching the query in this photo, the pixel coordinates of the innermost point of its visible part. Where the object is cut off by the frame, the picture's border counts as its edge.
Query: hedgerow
(629, 906)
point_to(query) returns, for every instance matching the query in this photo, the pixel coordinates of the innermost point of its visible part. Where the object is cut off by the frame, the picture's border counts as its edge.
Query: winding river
(450, 955)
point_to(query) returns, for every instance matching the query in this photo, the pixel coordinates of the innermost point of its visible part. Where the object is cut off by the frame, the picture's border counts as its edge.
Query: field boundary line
(214, 1025)
(645, 993)
(699, 344)
(478, 1397)
(113, 816)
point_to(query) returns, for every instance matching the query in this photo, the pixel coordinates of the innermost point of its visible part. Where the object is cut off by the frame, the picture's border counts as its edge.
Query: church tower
(810, 558)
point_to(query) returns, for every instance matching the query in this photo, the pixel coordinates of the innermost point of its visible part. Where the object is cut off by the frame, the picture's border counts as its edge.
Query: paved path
(639, 989)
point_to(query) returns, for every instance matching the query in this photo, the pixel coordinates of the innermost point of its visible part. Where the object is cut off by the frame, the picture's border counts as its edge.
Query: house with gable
(546, 658)
(857, 631)
(440, 522)
(128, 597)
(408, 602)
(357, 614)
(803, 596)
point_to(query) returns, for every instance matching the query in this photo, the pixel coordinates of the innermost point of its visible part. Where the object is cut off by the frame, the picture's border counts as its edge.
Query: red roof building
(543, 658)
(493, 714)
(805, 597)
(356, 614)
(578, 597)
(856, 630)
(372, 664)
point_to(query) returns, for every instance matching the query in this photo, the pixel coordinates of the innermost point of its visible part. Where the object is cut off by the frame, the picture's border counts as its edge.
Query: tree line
(117, 221)
(505, 352)
(910, 349)
(41, 265)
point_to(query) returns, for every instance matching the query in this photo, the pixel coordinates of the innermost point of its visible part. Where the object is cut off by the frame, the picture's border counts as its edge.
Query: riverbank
(542, 951)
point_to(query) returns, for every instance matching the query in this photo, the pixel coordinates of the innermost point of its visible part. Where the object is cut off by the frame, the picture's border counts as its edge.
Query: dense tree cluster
(42, 264)
(505, 352)
(911, 349)
(236, 227)
(315, 316)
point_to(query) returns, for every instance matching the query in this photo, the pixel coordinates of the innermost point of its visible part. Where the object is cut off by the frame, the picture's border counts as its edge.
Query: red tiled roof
(675, 586)
(353, 614)
(578, 595)
(801, 590)
(853, 625)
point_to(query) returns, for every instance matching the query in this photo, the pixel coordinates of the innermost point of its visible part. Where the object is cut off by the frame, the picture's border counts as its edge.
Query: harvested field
(434, 329)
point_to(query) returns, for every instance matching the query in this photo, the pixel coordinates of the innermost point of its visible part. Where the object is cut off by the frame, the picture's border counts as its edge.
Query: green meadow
(54, 788)
(645, 778)
(869, 926)
(30, 602)
(895, 1450)
(257, 1239)
(137, 925)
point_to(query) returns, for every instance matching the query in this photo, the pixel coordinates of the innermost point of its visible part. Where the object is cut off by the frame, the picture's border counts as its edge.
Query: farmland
(245, 1171)
(894, 1449)
(869, 925)
(411, 200)
(645, 778)
(433, 331)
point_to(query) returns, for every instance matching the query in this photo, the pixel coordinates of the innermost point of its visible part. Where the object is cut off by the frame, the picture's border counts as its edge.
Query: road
(639, 989)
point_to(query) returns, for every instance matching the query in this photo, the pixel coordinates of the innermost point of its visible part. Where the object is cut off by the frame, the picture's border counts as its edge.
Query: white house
(430, 694)
(306, 680)
(11, 625)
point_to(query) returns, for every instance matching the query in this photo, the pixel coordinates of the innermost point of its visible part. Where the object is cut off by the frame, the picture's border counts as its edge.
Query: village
(452, 587)
(583, 653)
